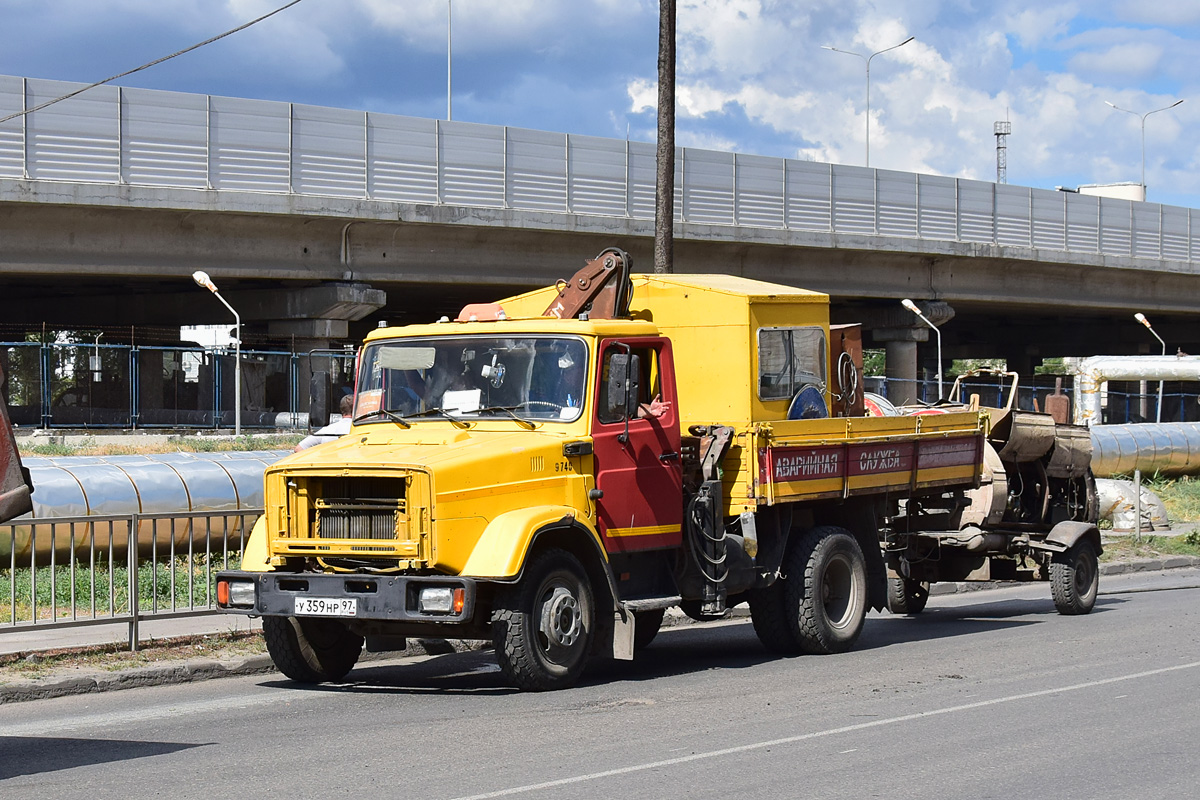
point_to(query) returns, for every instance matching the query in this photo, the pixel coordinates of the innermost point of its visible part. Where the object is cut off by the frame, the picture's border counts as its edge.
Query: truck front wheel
(542, 627)
(311, 650)
(1075, 579)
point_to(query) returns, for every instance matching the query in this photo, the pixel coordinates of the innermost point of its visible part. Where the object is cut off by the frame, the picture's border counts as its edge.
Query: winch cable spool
(847, 381)
(705, 534)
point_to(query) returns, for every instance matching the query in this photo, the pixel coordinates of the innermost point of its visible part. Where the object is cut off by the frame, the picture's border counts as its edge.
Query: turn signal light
(460, 599)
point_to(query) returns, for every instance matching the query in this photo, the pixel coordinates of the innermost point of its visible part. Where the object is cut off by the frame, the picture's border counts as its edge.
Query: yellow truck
(554, 471)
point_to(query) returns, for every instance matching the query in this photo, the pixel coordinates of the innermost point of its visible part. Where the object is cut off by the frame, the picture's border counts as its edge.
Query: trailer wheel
(906, 596)
(646, 627)
(311, 650)
(827, 592)
(1075, 579)
(542, 627)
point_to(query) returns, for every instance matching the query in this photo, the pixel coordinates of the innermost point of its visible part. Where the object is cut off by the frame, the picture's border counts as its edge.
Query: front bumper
(374, 597)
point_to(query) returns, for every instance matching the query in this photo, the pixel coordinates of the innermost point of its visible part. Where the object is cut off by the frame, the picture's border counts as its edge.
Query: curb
(87, 681)
(1116, 568)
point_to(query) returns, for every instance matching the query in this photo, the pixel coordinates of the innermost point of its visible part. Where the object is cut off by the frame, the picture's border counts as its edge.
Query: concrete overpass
(308, 216)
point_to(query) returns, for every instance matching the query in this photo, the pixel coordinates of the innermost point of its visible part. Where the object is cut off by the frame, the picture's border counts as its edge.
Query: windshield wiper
(442, 412)
(512, 412)
(392, 415)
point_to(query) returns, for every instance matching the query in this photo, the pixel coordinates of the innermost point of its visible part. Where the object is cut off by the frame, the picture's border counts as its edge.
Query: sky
(752, 75)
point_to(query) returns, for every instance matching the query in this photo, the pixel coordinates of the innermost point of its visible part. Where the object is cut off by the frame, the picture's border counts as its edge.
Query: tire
(819, 604)
(310, 649)
(770, 620)
(542, 627)
(646, 627)
(906, 596)
(1075, 579)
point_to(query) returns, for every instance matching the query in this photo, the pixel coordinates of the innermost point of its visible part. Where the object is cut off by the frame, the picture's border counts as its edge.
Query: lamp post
(449, 9)
(911, 306)
(201, 278)
(1143, 116)
(867, 62)
(1140, 317)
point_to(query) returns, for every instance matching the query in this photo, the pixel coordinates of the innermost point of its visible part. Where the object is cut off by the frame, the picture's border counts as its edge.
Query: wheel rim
(1084, 574)
(560, 622)
(838, 596)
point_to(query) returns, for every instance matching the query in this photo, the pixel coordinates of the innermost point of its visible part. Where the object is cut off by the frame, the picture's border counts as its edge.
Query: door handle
(667, 457)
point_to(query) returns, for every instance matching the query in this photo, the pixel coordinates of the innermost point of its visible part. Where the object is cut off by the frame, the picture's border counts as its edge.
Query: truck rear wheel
(819, 604)
(646, 627)
(828, 590)
(906, 596)
(311, 650)
(542, 627)
(1075, 579)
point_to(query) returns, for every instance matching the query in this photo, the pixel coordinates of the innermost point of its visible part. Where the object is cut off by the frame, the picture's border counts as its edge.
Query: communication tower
(1002, 129)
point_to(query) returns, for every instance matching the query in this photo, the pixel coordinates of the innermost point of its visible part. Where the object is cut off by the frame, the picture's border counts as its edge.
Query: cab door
(639, 475)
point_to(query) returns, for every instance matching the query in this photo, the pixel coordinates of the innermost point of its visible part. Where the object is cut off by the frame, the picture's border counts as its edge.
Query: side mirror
(633, 380)
(623, 372)
(319, 399)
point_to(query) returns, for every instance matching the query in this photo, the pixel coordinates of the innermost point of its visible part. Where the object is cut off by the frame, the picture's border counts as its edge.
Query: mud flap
(623, 623)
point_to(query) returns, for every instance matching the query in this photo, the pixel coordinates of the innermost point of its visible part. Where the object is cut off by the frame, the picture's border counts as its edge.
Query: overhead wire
(69, 95)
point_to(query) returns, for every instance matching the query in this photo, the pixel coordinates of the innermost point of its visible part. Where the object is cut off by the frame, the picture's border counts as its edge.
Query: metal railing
(1123, 402)
(142, 137)
(75, 571)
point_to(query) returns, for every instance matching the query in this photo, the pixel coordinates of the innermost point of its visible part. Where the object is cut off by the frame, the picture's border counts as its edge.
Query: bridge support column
(894, 328)
(901, 366)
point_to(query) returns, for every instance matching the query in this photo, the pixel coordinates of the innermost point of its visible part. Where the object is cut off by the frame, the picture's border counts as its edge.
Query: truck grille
(360, 518)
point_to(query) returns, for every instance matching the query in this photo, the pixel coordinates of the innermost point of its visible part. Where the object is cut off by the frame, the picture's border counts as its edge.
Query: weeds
(90, 446)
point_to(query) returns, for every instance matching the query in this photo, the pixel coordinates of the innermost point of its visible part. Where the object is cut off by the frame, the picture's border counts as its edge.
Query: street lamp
(201, 278)
(1140, 317)
(1143, 116)
(867, 61)
(449, 9)
(911, 306)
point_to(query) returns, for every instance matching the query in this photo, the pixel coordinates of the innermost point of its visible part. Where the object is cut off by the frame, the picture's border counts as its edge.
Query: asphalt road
(985, 695)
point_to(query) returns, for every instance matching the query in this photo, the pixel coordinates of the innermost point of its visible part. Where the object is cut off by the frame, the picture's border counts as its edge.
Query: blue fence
(122, 386)
(55, 385)
(1124, 401)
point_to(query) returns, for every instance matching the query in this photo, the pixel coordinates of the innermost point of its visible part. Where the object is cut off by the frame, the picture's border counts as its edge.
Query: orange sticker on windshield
(368, 403)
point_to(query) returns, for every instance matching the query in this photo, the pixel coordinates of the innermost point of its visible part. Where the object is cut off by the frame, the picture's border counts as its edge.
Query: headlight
(441, 600)
(435, 600)
(236, 594)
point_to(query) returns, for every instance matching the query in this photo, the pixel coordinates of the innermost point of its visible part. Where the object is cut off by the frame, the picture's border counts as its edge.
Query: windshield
(472, 377)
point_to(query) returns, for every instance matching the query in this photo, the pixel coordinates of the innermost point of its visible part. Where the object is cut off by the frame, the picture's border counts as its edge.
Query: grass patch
(1125, 548)
(93, 446)
(1180, 495)
(116, 656)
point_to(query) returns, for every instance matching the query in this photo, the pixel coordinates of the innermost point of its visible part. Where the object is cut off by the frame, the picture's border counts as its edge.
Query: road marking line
(746, 748)
(106, 719)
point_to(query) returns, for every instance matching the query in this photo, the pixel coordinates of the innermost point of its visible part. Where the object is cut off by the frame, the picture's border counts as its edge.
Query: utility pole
(664, 186)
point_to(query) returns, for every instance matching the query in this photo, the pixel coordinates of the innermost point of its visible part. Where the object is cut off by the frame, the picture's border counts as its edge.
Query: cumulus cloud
(752, 76)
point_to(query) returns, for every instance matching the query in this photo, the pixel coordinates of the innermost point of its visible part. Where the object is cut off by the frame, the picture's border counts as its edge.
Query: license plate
(326, 607)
